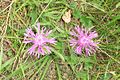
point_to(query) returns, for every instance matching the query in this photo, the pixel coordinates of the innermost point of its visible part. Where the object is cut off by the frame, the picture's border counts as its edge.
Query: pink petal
(52, 40)
(78, 29)
(40, 50)
(93, 35)
(73, 42)
(43, 29)
(78, 50)
(32, 49)
(87, 51)
(48, 32)
(48, 49)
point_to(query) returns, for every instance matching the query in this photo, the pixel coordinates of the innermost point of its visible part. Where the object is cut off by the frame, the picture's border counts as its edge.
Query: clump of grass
(17, 15)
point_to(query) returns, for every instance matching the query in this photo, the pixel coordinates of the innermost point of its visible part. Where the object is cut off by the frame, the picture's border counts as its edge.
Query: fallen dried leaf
(67, 16)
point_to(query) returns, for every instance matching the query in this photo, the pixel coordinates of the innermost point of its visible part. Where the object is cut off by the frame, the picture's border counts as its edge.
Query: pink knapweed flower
(39, 40)
(82, 40)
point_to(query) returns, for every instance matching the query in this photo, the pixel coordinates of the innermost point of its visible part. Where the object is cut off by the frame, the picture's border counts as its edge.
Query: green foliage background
(100, 15)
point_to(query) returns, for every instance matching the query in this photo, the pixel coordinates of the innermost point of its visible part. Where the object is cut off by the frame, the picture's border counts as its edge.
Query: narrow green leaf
(46, 68)
(118, 5)
(58, 54)
(58, 71)
(25, 66)
(10, 61)
(39, 67)
(33, 15)
(1, 54)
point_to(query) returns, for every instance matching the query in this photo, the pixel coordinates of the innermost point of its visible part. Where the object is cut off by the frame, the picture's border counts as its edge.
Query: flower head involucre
(83, 40)
(39, 40)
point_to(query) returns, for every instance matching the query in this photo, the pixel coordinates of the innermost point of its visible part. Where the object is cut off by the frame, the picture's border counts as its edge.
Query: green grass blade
(58, 72)
(46, 68)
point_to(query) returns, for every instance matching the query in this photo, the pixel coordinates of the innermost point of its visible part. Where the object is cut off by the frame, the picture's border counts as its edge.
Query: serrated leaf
(74, 59)
(77, 13)
(86, 21)
(82, 75)
(73, 5)
(88, 66)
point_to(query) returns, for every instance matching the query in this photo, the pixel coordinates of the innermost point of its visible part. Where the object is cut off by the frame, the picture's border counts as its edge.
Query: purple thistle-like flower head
(39, 40)
(83, 40)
